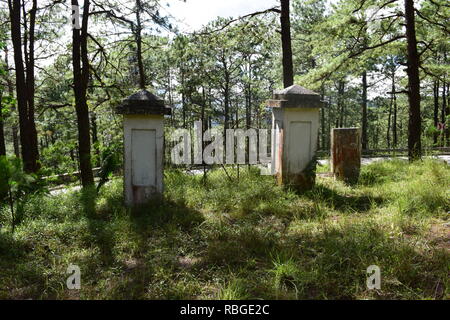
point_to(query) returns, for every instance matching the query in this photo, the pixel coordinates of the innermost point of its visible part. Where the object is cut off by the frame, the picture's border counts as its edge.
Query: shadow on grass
(143, 219)
(17, 267)
(99, 229)
(343, 203)
(330, 264)
(135, 230)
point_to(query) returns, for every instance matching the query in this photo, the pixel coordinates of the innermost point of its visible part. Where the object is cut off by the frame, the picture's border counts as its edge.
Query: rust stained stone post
(295, 127)
(346, 154)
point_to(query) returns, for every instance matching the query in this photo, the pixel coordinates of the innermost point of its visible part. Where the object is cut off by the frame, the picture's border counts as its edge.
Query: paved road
(365, 161)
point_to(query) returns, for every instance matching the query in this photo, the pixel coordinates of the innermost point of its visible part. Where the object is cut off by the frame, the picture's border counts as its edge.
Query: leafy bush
(16, 187)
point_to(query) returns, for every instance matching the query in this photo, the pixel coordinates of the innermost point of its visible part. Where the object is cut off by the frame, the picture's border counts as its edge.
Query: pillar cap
(144, 103)
(295, 96)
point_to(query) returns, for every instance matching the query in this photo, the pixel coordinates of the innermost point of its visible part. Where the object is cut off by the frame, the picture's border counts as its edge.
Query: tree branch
(444, 27)
(250, 15)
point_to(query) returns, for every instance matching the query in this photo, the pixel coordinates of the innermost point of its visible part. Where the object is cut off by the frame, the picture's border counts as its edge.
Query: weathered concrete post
(143, 126)
(295, 128)
(346, 154)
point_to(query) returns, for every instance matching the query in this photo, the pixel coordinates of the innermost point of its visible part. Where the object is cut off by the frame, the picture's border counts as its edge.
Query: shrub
(16, 187)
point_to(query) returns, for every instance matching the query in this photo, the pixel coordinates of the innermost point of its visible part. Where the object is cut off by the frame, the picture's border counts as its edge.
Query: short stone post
(295, 128)
(346, 154)
(143, 126)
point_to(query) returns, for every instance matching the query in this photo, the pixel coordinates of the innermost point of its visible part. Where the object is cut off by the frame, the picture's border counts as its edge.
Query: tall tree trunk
(227, 105)
(138, 38)
(15, 137)
(27, 126)
(288, 67)
(2, 129)
(95, 141)
(377, 132)
(248, 96)
(364, 112)
(341, 105)
(236, 125)
(436, 110)
(388, 131)
(329, 126)
(447, 110)
(226, 92)
(445, 113)
(414, 126)
(248, 109)
(394, 120)
(444, 101)
(10, 85)
(203, 108)
(81, 78)
(183, 99)
(30, 80)
(322, 122)
(169, 83)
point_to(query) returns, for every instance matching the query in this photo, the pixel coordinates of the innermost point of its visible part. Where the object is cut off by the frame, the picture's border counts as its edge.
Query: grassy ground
(239, 239)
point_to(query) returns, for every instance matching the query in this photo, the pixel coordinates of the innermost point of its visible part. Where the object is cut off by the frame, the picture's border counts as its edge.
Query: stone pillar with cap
(295, 129)
(143, 125)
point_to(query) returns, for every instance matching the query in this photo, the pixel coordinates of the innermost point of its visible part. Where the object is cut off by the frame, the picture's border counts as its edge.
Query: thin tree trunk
(364, 112)
(81, 78)
(377, 132)
(203, 108)
(248, 109)
(415, 126)
(169, 82)
(445, 113)
(138, 37)
(322, 125)
(444, 101)
(341, 107)
(394, 125)
(394, 120)
(95, 141)
(2, 130)
(227, 106)
(447, 110)
(248, 96)
(10, 85)
(236, 125)
(183, 99)
(436, 109)
(226, 93)
(30, 80)
(329, 127)
(322, 122)
(388, 132)
(288, 68)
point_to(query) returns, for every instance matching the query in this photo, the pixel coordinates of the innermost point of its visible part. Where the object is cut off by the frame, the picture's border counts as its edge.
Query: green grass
(239, 239)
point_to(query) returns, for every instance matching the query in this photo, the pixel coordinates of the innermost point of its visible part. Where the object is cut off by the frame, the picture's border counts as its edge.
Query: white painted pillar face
(299, 146)
(143, 158)
(300, 141)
